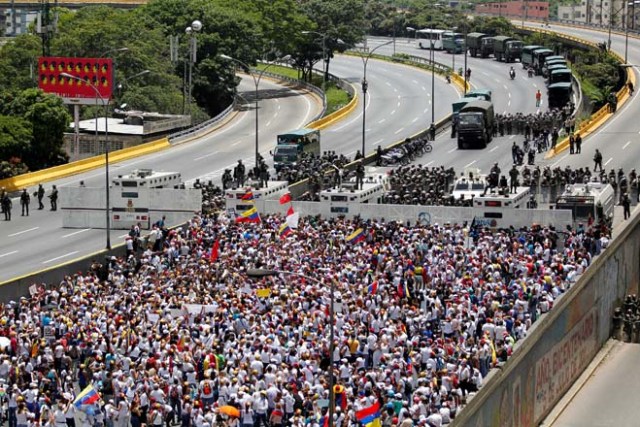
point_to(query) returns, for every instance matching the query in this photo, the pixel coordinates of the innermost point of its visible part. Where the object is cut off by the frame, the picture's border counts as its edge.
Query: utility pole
(45, 26)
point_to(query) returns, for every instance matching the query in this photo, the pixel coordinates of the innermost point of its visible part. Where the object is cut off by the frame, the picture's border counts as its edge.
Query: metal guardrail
(205, 126)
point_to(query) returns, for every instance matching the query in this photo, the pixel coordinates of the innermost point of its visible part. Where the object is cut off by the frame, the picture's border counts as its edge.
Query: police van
(593, 201)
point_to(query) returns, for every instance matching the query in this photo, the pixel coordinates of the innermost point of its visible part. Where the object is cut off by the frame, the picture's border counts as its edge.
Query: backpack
(206, 388)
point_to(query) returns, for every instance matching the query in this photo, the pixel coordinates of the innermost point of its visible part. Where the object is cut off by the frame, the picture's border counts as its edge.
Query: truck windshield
(286, 150)
(470, 119)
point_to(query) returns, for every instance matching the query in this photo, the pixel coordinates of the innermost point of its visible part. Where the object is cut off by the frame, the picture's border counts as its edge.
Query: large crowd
(422, 185)
(312, 166)
(177, 332)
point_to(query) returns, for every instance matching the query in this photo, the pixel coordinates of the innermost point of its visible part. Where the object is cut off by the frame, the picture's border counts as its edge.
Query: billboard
(97, 71)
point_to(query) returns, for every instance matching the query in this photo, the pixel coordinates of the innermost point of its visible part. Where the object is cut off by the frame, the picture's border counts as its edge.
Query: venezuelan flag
(373, 288)
(250, 215)
(369, 417)
(284, 230)
(248, 196)
(88, 396)
(356, 236)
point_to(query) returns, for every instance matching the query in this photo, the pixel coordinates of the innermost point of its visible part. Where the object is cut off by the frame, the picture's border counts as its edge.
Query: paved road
(395, 110)
(609, 398)
(619, 138)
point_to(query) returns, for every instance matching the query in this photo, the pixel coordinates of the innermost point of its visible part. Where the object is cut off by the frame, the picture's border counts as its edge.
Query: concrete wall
(561, 345)
(426, 214)
(83, 207)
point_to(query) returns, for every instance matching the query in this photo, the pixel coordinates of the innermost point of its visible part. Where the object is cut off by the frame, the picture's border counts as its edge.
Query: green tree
(49, 119)
(15, 137)
(19, 63)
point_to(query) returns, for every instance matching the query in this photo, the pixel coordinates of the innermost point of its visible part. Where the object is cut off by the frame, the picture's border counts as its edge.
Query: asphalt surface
(396, 109)
(609, 398)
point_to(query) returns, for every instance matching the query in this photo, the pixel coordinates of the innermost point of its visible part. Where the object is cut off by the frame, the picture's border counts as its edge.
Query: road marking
(23, 231)
(239, 142)
(75, 232)
(535, 85)
(398, 104)
(424, 88)
(415, 82)
(377, 142)
(414, 120)
(509, 104)
(393, 112)
(388, 84)
(469, 164)
(58, 257)
(626, 145)
(493, 149)
(425, 110)
(8, 253)
(498, 80)
(505, 87)
(509, 94)
(452, 150)
(485, 73)
(558, 162)
(512, 136)
(608, 161)
(382, 121)
(398, 131)
(211, 154)
(395, 90)
(427, 164)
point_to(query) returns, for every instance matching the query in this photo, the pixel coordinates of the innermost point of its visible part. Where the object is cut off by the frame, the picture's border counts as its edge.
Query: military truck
(559, 94)
(506, 48)
(291, 145)
(479, 44)
(475, 124)
(527, 54)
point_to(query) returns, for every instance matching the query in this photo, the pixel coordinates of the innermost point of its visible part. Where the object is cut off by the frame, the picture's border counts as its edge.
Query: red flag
(215, 251)
(285, 198)
(290, 211)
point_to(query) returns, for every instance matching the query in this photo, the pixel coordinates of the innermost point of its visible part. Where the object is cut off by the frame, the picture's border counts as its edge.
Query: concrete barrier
(561, 344)
(30, 179)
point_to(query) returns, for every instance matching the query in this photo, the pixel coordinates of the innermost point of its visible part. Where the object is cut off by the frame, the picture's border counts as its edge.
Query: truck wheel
(460, 145)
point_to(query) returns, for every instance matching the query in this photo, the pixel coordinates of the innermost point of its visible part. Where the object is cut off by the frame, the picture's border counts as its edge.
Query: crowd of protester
(176, 331)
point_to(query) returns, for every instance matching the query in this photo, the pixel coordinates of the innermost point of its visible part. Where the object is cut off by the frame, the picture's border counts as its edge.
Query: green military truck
(475, 124)
(506, 48)
(479, 44)
(291, 145)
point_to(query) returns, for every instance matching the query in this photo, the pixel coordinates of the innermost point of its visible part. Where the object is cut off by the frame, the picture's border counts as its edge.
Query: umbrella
(4, 342)
(229, 410)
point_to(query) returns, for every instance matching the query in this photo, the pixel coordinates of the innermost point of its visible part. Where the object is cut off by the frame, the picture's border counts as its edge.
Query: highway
(609, 397)
(508, 96)
(395, 109)
(619, 138)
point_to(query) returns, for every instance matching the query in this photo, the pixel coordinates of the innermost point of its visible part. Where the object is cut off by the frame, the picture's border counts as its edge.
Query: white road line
(493, 149)
(378, 141)
(608, 161)
(8, 253)
(395, 90)
(393, 112)
(424, 88)
(425, 110)
(59, 257)
(415, 82)
(75, 232)
(398, 104)
(485, 73)
(452, 150)
(23, 231)
(509, 104)
(398, 131)
(558, 162)
(535, 85)
(388, 84)
(239, 142)
(512, 136)
(469, 164)
(498, 80)
(626, 145)
(414, 120)
(382, 121)
(505, 87)
(210, 154)
(427, 164)
(509, 94)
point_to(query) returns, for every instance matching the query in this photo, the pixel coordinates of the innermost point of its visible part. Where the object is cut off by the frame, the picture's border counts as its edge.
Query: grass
(336, 97)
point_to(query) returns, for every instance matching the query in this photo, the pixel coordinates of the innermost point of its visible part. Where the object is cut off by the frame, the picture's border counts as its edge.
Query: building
(17, 21)
(597, 12)
(538, 10)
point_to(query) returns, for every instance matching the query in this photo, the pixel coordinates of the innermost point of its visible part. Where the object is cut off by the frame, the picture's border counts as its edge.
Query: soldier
(25, 199)
(572, 144)
(264, 175)
(239, 174)
(40, 195)
(597, 159)
(626, 205)
(617, 323)
(6, 207)
(578, 143)
(629, 323)
(513, 174)
(53, 197)
(360, 175)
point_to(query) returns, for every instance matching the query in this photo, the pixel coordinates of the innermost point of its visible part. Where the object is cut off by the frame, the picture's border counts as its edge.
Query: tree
(19, 63)
(15, 137)
(342, 21)
(49, 119)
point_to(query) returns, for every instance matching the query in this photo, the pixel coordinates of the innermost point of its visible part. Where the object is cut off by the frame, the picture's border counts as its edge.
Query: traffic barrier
(30, 179)
(337, 115)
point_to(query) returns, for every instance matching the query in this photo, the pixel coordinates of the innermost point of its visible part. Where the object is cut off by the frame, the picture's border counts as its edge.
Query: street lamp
(626, 25)
(117, 49)
(259, 273)
(256, 82)
(121, 84)
(195, 27)
(365, 87)
(105, 103)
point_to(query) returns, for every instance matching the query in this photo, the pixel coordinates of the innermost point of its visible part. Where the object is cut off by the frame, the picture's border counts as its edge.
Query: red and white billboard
(97, 71)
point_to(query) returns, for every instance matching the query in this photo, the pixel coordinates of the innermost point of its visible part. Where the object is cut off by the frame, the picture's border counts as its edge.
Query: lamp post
(121, 84)
(191, 31)
(465, 61)
(365, 87)
(105, 103)
(433, 78)
(410, 30)
(257, 77)
(258, 273)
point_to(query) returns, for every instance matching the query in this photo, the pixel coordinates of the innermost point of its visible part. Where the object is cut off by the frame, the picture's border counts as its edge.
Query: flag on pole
(292, 218)
(250, 215)
(215, 251)
(340, 394)
(285, 198)
(356, 236)
(373, 288)
(88, 396)
(284, 230)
